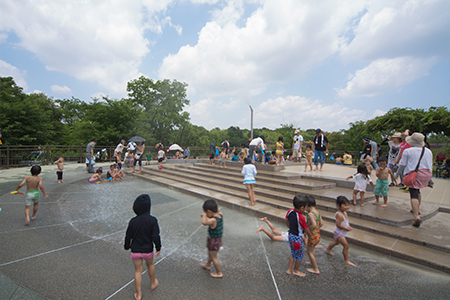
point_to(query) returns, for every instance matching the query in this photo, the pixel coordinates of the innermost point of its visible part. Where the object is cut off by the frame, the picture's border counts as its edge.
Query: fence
(20, 156)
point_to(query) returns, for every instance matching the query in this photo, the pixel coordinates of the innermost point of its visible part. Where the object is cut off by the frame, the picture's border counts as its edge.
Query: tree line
(154, 110)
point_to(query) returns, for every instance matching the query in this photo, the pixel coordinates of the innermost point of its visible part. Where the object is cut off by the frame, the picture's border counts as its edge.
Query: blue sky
(310, 63)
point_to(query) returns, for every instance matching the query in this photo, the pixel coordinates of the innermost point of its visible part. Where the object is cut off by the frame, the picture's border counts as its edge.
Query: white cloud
(61, 89)
(100, 41)
(307, 113)
(385, 74)
(7, 70)
(391, 29)
(377, 113)
(280, 42)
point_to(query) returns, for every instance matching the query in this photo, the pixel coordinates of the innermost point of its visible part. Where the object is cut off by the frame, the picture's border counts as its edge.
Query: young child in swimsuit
(275, 235)
(223, 157)
(59, 163)
(142, 233)
(296, 223)
(34, 183)
(97, 177)
(362, 179)
(382, 184)
(279, 149)
(309, 154)
(249, 172)
(213, 218)
(341, 229)
(314, 222)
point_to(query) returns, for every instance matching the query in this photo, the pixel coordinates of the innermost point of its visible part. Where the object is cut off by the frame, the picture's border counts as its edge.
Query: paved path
(74, 251)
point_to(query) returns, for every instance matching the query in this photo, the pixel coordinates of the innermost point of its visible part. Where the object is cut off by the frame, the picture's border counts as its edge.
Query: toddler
(142, 233)
(97, 177)
(362, 179)
(309, 154)
(279, 149)
(249, 172)
(382, 184)
(59, 163)
(314, 222)
(213, 218)
(223, 157)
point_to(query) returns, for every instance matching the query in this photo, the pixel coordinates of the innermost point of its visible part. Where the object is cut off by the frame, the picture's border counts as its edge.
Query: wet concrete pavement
(74, 251)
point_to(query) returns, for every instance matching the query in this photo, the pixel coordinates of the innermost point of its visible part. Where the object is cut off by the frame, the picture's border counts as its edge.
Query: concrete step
(380, 237)
(264, 177)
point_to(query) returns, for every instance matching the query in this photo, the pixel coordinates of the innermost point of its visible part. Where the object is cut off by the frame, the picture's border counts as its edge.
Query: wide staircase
(386, 230)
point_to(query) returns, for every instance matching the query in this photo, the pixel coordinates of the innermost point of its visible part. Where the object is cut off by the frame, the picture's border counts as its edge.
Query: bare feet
(139, 172)
(216, 275)
(132, 172)
(33, 218)
(27, 222)
(313, 271)
(417, 222)
(205, 266)
(383, 205)
(328, 252)
(350, 263)
(362, 204)
(318, 246)
(263, 219)
(136, 296)
(155, 285)
(376, 202)
(298, 273)
(289, 272)
(354, 202)
(260, 228)
(62, 181)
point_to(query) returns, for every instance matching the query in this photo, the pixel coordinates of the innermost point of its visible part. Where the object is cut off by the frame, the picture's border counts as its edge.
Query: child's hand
(349, 228)
(157, 253)
(46, 196)
(203, 214)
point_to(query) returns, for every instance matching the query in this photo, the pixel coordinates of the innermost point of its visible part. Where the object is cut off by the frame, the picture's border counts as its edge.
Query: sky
(313, 64)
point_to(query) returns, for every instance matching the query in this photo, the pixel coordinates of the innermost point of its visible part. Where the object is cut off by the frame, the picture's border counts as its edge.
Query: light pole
(251, 123)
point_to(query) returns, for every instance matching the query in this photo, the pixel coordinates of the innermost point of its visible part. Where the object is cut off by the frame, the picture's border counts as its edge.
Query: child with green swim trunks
(34, 183)
(382, 184)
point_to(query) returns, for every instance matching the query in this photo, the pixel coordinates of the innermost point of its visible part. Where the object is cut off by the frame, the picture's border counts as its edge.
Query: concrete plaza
(74, 249)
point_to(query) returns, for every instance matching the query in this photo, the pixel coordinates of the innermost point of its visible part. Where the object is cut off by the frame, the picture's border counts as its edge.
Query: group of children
(114, 173)
(381, 188)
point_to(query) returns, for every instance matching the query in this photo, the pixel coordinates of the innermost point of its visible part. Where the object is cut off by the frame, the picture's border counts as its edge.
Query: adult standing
(320, 148)
(394, 142)
(212, 151)
(138, 157)
(226, 146)
(297, 146)
(403, 146)
(90, 155)
(257, 145)
(374, 146)
(417, 157)
(118, 153)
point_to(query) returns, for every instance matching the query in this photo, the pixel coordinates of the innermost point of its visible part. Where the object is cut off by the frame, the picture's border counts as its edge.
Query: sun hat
(416, 139)
(397, 135)
(296, 131)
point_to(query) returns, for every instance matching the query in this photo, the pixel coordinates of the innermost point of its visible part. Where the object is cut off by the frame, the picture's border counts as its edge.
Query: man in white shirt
(297, 147)
(257, 145)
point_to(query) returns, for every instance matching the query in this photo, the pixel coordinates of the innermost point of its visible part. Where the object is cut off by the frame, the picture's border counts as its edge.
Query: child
(142, 233)
(314, 222)
(275, 235)
(249, 172)
(241, 157)
(368, 162)
(213, 218)
(342, 226)
(297, 225)
(34, 183)
(362, 178)
(97, 177)
(112, 174)
(244, 149)
(161, 157)
(59, 163)
(279, 149)
(382, 184)
(149, 157)
(118, 172)
(223, 157)
(309, 154)
(235, 156)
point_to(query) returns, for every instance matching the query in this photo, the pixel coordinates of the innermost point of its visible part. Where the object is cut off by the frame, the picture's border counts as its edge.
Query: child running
(97, 177)
(249, 172)
(59, 173)
(34, 183)
(142, 233)
(382, 184)
(275, 235)
(341, 229)
(297, 225)
(213, 218)
(362, 179)
(314, 222)
(309, 154)
(161, 157)
(279, 149)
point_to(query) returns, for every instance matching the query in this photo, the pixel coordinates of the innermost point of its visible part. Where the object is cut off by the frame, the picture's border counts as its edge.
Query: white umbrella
(175, 147)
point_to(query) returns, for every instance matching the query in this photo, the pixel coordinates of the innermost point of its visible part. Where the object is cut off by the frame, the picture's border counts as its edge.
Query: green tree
(161, 105)
(28, 119)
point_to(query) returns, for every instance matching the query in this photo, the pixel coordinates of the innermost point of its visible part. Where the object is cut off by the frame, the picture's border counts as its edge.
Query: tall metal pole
(251, 123)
